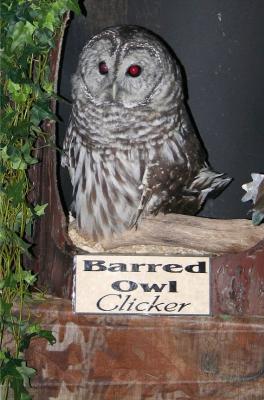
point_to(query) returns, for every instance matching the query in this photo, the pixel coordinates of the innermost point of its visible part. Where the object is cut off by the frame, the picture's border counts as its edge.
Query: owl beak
(114, 90)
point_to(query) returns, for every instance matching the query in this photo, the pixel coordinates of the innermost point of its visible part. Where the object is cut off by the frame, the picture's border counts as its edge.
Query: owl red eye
(134, 70)
(103, 68)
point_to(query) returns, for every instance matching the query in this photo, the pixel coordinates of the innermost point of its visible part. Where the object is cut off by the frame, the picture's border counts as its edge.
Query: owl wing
(179, 179)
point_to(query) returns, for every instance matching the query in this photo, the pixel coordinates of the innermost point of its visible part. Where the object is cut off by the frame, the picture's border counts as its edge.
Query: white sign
(140, 284)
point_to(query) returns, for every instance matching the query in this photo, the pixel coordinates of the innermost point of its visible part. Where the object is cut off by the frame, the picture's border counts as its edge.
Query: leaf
(6, 62)
(22, 245)
(25, 371)
(10, 153)
(48, 336)
(21, 130)
(8, 282)
(44, 38)
(26, 150)
(50, 21)
(8, 370)
(40, 209)
(48, 87)
(255, 193)
(40, 112)
(15, 191)
(19, 375)
(74, 6)
(29, 277)
(21, 34)
(33, 328)
(5, 308)
(25, 396)
(18, 92)
(35, 331)
(3, 355)
(257, 217)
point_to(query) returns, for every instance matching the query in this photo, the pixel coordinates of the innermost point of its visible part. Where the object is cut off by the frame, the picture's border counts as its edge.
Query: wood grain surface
(180, 233)
(152, 358)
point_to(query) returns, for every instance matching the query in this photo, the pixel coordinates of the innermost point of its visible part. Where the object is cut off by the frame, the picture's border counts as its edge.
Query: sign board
(141, 284)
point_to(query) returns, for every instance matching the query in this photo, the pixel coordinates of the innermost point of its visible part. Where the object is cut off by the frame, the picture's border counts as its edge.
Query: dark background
(220, 43)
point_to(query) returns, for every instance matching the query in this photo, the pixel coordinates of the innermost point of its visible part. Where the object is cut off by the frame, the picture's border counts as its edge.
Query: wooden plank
(117, 357)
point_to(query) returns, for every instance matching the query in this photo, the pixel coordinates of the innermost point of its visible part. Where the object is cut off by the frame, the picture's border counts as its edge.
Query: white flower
(252, 188)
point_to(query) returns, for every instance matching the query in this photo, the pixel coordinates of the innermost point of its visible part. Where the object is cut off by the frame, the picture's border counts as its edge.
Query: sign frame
(95, 256)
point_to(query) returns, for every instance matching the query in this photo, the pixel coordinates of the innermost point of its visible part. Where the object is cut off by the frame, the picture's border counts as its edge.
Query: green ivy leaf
(21, 130)
(25, 396)
(8, 282)
(6, 62)
(21, 244)
(40, 209)
(5, 308)
(73, 5)
(25, 341)
(28, 277)
(25, 371)
(48, 87)
(19, 92)
(50, 20)
(21, 34)
(3, 355)
(40, 112)
(10, 153)
(26, 150)
(44, 38)
(33, 329)
(19, 375)
(16, 192)
(48, 336)
(28, 32)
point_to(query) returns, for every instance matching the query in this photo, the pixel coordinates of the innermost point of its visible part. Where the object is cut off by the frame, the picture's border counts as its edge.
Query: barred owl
(130, 146)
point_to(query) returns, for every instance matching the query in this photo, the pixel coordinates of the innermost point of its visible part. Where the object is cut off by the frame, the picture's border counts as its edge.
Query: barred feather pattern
(127, 159)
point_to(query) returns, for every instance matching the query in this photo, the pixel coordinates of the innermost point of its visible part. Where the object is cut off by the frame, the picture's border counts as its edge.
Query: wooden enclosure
(131, 358)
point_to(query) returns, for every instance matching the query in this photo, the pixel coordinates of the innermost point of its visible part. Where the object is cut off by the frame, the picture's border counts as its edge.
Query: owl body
(130, 146)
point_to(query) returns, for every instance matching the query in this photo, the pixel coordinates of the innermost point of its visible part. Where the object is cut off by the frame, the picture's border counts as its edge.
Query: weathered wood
(238, 282)
(52, 248)
(132, 358)
(237, 275)
(179, 234)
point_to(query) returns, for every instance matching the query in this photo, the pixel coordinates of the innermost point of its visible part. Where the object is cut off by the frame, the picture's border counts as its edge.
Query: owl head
(128, 66)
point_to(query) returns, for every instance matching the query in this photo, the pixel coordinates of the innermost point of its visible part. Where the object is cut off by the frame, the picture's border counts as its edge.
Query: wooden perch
(178, 234)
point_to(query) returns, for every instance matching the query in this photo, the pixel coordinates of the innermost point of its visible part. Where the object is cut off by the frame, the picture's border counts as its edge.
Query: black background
(220, 43)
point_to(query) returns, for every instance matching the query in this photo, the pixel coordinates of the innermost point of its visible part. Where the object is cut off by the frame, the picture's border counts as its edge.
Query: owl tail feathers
(209, 182)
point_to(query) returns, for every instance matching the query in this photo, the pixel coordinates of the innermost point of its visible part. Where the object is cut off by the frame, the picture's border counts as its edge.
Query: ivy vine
(28, 34)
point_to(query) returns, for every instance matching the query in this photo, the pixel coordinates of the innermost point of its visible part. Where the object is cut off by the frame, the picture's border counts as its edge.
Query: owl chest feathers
(113, 154)
(107, 190)
(108, 177)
